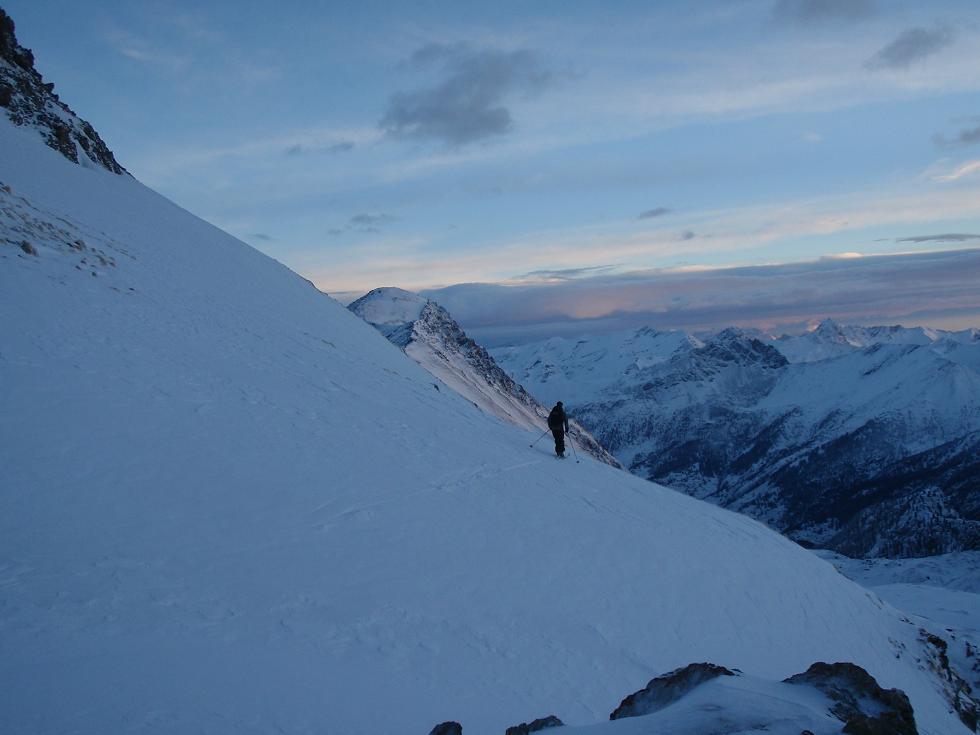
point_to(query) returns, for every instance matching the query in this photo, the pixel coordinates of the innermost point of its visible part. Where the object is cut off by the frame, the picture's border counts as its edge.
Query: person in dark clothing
(558, 423)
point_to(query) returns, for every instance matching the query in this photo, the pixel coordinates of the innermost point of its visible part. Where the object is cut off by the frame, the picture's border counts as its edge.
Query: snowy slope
(431, 337)
(230, 506)
(941, 592)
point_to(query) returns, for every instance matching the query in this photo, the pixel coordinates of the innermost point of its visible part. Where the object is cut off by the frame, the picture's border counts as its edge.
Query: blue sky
(428, 144)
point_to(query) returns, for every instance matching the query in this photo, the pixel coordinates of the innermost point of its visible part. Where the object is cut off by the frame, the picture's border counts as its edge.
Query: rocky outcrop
(859, 702)
(542, 723)
(955, 688)
(447, 728)
(667, 689)
(32, 102)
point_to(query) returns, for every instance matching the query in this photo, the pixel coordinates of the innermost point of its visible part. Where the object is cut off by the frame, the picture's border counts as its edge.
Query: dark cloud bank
(928, 288)
(655, 212)
(948, 237)
(307, 150)
(822, 11)
(965, 137)
(911, 46)
(469, 104)
(365, 222)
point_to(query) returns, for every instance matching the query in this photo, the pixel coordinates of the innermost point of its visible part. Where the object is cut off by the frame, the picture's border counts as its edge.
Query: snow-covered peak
(733, 346)
(389, 306)
(831, 339)
(830, 330)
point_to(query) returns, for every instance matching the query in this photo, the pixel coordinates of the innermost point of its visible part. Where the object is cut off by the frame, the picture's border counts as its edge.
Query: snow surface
(231, 506)
(732, 706)
(577, 370)
(391, 306)
(941, 593)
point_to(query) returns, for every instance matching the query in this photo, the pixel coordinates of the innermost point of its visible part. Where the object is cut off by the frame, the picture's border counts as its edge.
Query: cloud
(260, 236)
(686, 235)
(303, 149)
(655, 212)
(812, 137)
(364, 222)
(912, 45)
(822, 11)
(950, 237)
(469, 104)
(564, 274)
(963, 170)
(966, 136)
(137, 48)
(927, 288)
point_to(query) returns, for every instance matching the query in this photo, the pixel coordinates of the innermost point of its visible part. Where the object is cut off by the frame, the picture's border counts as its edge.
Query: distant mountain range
(865, 440)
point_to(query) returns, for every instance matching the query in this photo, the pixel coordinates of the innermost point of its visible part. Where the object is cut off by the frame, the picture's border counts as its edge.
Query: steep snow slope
(229, 505)
(431, 337)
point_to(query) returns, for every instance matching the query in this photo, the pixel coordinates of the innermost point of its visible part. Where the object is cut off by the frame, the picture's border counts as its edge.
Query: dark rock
(447, 728)
(30, 101)
(28, 248)
(667, 689)
(542, 723)
(859, 702)
(954, 687)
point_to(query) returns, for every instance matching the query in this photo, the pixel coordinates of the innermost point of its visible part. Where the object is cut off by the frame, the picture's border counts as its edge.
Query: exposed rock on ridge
(31, 102)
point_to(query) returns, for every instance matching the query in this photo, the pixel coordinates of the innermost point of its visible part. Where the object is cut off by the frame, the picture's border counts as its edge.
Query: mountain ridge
(31, 102)
(428, 334)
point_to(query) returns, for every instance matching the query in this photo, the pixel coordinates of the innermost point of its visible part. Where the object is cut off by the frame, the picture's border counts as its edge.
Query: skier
(558, 423)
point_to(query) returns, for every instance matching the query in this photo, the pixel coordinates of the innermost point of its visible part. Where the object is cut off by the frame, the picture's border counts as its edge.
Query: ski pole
(572, 445)
(540, 437)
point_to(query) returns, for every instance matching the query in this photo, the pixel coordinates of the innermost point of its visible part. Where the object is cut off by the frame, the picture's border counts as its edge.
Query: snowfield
(231, 506)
